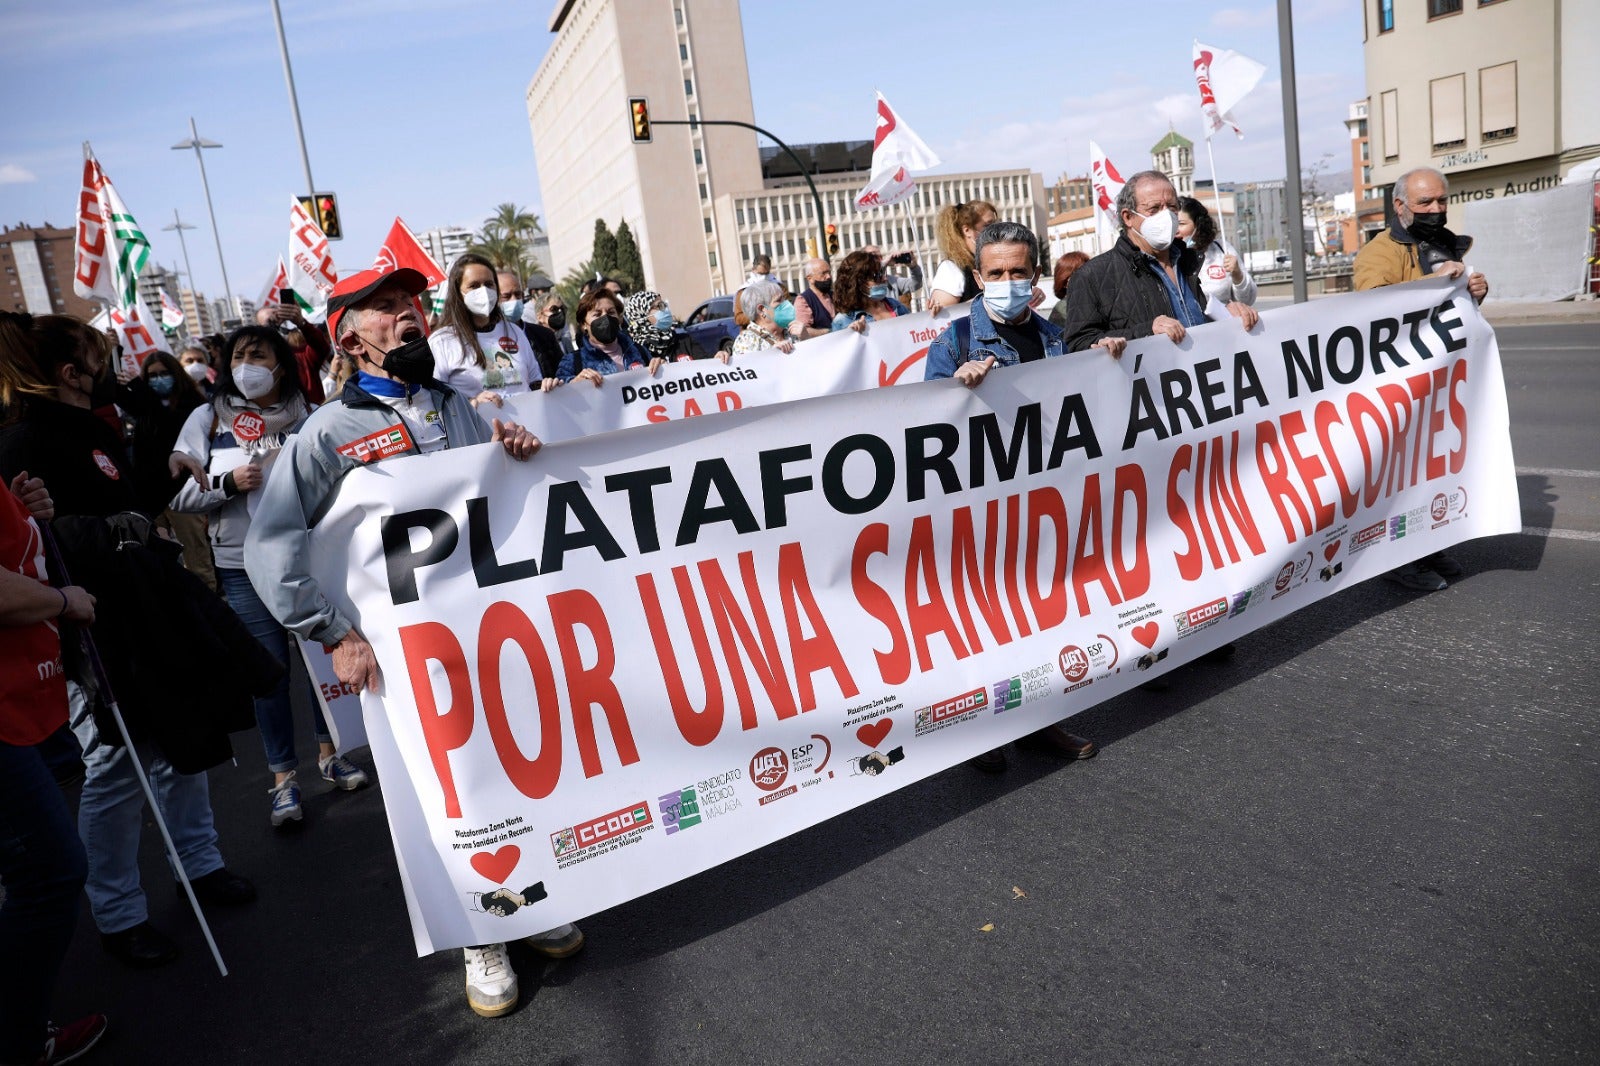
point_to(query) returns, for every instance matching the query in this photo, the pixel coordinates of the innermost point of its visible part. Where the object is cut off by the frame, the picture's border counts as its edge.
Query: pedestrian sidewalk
(1526, 311)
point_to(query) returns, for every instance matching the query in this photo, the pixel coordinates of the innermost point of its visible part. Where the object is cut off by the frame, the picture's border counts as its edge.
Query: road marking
(1547, 471)
(1560, 534)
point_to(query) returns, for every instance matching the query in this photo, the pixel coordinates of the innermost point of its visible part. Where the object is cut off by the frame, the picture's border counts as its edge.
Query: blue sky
(416, 108)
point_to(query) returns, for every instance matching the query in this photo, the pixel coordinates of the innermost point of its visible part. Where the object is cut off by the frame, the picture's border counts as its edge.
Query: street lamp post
(180, 225)
(294, 100)
(198, 142)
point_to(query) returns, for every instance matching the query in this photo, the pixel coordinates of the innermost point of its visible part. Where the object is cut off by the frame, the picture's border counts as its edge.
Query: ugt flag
(896, 152)
(1224, 78)
(1107, 184)
(312, 274)
(401, 249)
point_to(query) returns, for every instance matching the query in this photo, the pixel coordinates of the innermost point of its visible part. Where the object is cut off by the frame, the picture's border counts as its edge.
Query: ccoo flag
(896, 152)
(1224, 78)
(1107, 184)
(311, 271)
(171, 314)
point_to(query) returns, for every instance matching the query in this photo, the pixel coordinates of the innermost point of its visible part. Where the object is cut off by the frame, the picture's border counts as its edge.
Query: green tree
(506, 253)
(509, 220)
(604, 258)
(630, 265)
(506, 238)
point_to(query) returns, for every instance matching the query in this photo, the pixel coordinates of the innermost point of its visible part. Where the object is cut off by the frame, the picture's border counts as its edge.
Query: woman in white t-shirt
(1223, 277)
(476, 350)
(958, 227)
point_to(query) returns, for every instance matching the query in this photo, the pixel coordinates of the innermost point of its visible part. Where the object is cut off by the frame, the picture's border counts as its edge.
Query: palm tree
(506, 238)
(509, 220)
(505, 253)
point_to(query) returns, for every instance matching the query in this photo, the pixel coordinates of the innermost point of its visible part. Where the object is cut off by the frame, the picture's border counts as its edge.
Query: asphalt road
(1370, 837)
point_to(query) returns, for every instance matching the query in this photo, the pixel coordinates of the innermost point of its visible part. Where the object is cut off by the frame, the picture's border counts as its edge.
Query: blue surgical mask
(1005, 300)
(878, 292)
(163, 386)
(511, 310)
(783, 314)
(663, 318)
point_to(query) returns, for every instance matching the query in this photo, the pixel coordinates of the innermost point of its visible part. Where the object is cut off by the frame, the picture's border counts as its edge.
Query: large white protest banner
(642, 654)
(890, 352)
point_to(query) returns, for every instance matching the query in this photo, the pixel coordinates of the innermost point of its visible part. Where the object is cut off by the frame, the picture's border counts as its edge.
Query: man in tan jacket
(1417, 245)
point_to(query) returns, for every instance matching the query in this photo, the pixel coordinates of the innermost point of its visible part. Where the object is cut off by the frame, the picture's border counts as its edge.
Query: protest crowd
(175, 496)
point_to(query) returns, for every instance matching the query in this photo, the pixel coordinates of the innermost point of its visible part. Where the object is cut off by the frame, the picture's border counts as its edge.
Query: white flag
(312, 274)
(1107, 183)
(1224, 78)
(896, 152)
(171, 313)
(110, 250)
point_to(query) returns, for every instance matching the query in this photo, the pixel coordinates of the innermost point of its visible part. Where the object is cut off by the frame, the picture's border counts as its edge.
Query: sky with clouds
(415, 108)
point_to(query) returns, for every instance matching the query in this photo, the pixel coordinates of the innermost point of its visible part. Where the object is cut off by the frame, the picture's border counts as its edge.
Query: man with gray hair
(763, 304)
(1148, 282)
(1417, 245)
(1003, 330)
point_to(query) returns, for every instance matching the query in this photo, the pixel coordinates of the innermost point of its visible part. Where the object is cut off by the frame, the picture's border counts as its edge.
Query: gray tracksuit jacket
(303, 484)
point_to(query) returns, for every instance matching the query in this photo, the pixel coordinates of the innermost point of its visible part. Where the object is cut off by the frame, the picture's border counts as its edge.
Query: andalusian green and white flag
(110, 252)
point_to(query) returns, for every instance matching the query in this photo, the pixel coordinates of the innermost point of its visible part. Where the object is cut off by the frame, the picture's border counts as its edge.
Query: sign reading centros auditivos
(643, 653)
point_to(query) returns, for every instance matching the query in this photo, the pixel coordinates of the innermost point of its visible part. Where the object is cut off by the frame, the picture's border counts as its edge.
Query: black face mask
(1427, 227)
(102, 389)
(604, 329)
(557, 320)
(411, 363)
(825, 286)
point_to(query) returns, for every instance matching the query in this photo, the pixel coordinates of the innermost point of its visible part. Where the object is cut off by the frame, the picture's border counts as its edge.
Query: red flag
(400, 249)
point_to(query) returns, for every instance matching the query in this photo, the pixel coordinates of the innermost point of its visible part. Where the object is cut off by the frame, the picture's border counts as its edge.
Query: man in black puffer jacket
(1148, 282)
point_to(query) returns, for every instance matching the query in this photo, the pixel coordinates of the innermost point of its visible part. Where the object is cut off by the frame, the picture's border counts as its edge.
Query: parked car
(709, 329)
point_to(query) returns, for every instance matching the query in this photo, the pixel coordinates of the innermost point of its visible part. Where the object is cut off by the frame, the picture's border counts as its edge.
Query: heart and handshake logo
(1332, 549)
(497, 865)
(1147, 633)
(872, 733)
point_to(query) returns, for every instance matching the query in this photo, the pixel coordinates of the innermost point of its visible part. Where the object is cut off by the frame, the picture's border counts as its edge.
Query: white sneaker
(557, 943)
(491, 982)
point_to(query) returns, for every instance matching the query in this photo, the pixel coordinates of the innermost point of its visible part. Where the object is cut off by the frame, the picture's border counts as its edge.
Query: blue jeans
(42, 869)
(273, 712)
(111, 808)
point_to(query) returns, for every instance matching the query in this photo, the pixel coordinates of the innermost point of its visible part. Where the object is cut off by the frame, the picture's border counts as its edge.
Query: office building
(444, 243)
(197, 320)
(37, 272)
(779, 217)
(680, 56)
(1068, 194)
(1499, 95)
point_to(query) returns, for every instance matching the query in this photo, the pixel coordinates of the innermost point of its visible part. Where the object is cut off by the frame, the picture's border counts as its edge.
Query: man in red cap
(393, 406)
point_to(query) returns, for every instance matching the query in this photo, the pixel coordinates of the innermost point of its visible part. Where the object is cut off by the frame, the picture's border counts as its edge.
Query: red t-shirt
(33, 688)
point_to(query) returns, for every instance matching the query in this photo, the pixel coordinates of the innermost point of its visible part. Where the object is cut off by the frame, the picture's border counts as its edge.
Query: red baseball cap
(353, 288)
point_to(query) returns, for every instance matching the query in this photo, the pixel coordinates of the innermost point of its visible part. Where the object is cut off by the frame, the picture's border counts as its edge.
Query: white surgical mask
(481, 301)
(1006, 300)
(197, 371)
(254, 381)
(1158, 228)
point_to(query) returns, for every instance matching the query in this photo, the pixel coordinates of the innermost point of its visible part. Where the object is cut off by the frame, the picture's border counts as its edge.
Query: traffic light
(639, 111)
(833, 239)
(324, 208)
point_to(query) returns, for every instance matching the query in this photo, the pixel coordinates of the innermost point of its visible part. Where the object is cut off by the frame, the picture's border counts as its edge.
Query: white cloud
(11, 174)
(1238, 18)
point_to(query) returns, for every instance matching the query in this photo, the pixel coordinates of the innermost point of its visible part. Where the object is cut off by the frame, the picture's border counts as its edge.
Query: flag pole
(1216, 190)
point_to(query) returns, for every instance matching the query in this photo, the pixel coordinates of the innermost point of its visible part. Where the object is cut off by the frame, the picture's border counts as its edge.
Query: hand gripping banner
(644, 653)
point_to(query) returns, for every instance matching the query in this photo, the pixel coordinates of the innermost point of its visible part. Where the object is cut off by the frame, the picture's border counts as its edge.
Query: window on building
(1385, 15)
(707, 221)
(683, 52)
(739, 213)
(1438, 8)
(688, 87)
(1497, 101)
(763, 212)
(702, 190)
(712, 256)
(1391, 125)
(790, 244)
(744, 252)
(678, 13)
(786, 211)
(699, 158)
(1448, 99)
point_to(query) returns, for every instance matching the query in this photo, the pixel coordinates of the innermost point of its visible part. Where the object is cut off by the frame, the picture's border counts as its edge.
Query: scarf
(281, 419)
(655, 342)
